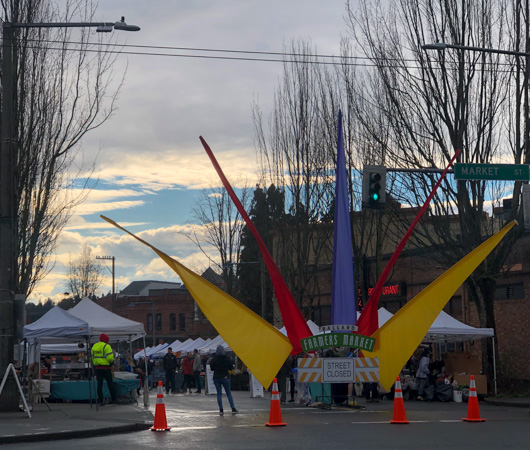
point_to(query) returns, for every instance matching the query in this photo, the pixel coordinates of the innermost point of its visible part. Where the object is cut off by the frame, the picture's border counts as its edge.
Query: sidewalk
(72, 420)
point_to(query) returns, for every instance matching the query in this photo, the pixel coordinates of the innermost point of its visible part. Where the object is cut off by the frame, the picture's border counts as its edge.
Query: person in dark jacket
(221, 365)
(170, 363)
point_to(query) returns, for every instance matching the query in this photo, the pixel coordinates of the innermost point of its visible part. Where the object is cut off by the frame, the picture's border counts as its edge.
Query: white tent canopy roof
(447, 329)
(57, 325)
(101, 320)
(444, 329)
(211, 346)
(313, 327)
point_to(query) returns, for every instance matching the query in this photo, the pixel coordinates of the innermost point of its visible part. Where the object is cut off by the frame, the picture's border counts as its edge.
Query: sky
(150, 165)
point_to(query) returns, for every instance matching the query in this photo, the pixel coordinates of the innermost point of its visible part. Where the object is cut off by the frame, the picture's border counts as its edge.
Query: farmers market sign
(349, 340)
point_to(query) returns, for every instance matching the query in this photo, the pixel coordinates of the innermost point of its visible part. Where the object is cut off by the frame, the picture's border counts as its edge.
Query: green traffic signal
(373, 187)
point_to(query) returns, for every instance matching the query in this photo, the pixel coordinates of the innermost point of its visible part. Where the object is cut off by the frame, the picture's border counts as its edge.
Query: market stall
(81, 325)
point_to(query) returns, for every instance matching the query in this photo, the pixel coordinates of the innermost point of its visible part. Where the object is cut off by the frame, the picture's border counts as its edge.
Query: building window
(510, 292)
(159, 322)
(173, 322)
(182, 321)
(149, 322)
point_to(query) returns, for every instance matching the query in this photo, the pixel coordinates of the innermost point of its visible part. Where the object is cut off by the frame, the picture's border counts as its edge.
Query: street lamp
(443, 46)
(8, 213)
(113, 291)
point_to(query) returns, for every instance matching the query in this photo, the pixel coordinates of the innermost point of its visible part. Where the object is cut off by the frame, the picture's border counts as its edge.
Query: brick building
(166, 309)
(415, 270)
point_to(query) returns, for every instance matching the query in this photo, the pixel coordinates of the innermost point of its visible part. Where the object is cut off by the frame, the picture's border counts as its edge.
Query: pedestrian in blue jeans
(221, 365)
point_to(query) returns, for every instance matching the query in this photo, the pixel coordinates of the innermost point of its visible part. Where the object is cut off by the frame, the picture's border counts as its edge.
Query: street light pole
(9, 196)
(443, 46)
(113, 291)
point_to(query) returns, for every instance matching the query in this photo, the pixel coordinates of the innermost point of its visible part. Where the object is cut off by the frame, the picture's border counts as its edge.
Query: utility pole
(9, 312)
(113, 291)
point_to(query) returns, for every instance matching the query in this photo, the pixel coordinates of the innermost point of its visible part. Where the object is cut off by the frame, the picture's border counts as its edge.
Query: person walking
(423, 373)
(197, 365)
(282, 376)
(221, 365)
(102, 360)
(187, 371)
(170, 364)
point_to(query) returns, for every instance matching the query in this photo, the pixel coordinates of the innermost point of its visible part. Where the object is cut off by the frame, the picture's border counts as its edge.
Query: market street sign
(349, 340)
(511, 172)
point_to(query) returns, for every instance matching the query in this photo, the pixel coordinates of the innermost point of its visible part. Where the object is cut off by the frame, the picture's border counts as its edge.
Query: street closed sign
(338, 370)
(509, 172)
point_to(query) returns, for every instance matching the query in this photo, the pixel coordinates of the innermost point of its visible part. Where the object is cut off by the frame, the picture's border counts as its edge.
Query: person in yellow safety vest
(103, 359)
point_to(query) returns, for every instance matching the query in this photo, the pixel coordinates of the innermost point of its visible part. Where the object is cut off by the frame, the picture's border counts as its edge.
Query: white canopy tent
(313, 327)
(56, 328)
(100, 320)
(211, 346)
(447, 329)
(57, 325)
(141, 353)
(194, 344)
(160, 349)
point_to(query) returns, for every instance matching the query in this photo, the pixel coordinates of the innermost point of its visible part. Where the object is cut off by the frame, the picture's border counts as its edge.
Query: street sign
(337, 370)
(511, 172)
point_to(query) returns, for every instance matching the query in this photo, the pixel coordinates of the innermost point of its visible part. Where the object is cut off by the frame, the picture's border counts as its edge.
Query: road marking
(388, 421)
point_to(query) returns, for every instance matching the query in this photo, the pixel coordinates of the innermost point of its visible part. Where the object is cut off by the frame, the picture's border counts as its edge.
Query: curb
(78, 434)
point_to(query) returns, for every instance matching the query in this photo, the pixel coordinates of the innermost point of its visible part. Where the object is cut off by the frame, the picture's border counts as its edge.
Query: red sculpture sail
(294, 322)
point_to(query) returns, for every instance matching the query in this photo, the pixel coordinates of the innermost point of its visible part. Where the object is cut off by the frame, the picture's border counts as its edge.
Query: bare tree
(84, 275)
(221, 227)
(63, 86)
(435, 103)
(294, 155)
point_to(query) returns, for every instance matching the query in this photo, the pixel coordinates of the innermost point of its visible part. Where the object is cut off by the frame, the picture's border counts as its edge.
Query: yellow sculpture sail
(257, 343)
(397, 339)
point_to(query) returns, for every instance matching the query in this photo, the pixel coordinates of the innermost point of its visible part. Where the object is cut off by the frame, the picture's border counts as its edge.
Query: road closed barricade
(366, 370)
(310, 370)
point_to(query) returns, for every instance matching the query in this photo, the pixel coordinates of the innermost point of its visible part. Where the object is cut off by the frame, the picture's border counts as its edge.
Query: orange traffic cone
(399, 405)
(473, 414)
(160, 412)
(275, 416)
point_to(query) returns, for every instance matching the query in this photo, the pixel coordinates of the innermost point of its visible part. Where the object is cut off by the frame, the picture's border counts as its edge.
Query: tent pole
(90, 380)
(494, 366)
(146, 391)
(92, 374)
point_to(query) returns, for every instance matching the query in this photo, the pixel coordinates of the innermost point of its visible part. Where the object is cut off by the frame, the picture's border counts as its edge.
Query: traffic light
(374, 184)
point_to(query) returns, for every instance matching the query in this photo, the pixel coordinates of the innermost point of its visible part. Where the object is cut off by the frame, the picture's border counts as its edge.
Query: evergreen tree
(266, 210)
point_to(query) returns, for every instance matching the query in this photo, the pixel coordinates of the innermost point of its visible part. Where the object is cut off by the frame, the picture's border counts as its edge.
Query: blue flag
(343, 298)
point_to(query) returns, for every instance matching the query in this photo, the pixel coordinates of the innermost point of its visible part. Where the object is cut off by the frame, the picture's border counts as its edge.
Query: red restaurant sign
(394, 289)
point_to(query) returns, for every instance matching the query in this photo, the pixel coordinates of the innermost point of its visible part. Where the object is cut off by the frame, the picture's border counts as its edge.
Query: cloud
(133, 260)
(171, 169)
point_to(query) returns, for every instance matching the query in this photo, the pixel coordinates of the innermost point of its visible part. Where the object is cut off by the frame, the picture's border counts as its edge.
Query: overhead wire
(307, 58)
